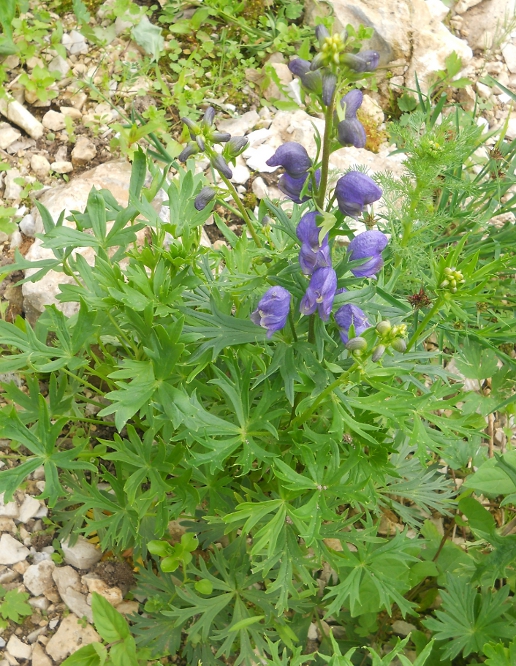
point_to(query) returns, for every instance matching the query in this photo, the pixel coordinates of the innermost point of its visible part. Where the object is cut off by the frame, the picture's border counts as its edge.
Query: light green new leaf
(111, 625)
(94, 654)
(149, 37)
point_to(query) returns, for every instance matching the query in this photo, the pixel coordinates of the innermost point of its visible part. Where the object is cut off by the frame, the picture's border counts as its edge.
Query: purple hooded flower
(350, 130)
(354, 191)
(204, 197)
(272, 311)
(292, 187)
(292, 157)
(312, 255)
(367, 245)
(365, 61)
(320, 293)
(311, 79)
(346, 316)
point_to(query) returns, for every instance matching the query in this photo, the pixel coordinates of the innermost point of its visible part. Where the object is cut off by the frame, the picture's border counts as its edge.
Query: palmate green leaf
(41, 440)
(208, 609)
(499, 655)
(381, 568)
(470, 619)
(14, 605)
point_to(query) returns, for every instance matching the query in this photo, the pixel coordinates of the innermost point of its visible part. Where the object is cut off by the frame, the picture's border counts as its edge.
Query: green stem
(325, 160)
(327, 391)
(311, 329)
(413, 340)
(242, 209)
(292, 325)
(83, 381)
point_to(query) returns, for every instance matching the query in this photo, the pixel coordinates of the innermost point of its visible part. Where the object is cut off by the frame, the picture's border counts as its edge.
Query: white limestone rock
(53, 120)
(69, 585)
(239, 126)
(11, 550)
(30, 506)
(62, 166)
(84, 151)
(39, 657)
(82, 555)
(509, 55)
(40, 165)
(9, 509)
(59, 65)
(17, 649)
(483, 23)
(8, 135)
(38, 578)
(70, 636)
(22, 117)
(12, 190)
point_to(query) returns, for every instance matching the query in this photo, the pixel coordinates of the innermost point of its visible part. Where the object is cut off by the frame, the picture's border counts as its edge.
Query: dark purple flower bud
(367, 245)
(209, 116)
(317, 62)
(321, 32)
(320, 293)
(192, 126)
(352, 101)
(220, 137)
(312, 81)
(204, 197)
(272, 311)
(329, 83)
(312, 255)
(235, 146)
(365, 61)
(348, 315)
(351, 133)
(200, 142)
(189, 150)
(219, 163)
(354, 191)
(292, 157)
(292, 187)
(298, 66)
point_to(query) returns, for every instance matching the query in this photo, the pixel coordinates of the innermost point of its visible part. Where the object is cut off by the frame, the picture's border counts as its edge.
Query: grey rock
(9, 510)
(30, 506)
(11, 550)
(38, 578)
(8, 135)
(12, 190)
(54, 120)
(39, 658)
(60, 65)
(63, 166)
(402, 628)
(20, 116)
(509, 55)
(239, 126)
(70, 636)
(84, 151)
(82, 555)
(69, 585)
(28, 227)
(483, 23)
(17, 649)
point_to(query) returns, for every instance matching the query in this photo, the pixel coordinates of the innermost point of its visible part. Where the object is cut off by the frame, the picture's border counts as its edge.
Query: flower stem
(413, 340)
(242, 209)
(311, 329)
(325, 160)
(292, 325)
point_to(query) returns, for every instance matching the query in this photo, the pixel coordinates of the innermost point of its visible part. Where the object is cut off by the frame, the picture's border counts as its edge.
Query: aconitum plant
(278, 395)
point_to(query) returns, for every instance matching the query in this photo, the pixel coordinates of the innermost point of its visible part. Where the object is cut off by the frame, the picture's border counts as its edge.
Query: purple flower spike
(292, 157)
(367, 245)
(346, 316)
(354, 191)
(312, 255)
(272, 311)
(320, 293)
(365, 61)
(292, 186)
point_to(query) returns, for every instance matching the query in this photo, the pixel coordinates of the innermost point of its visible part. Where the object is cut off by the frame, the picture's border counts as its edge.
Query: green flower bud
(356, 344)
(384, 328)
(399, 345)
(378, 352)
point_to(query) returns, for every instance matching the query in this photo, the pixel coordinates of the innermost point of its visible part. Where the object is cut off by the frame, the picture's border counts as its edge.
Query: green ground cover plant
(286, 397)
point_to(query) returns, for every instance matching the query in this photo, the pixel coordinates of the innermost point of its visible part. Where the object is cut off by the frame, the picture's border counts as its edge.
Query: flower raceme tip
(272, 311)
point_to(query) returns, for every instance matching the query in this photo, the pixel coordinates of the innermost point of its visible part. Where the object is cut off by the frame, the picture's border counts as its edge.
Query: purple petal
(355, 190)
(272, 311)
(367, 244)
(298, 66)
(293, 158)
(346, 316)
(353, 101)
(320, 293)
(351, 133)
